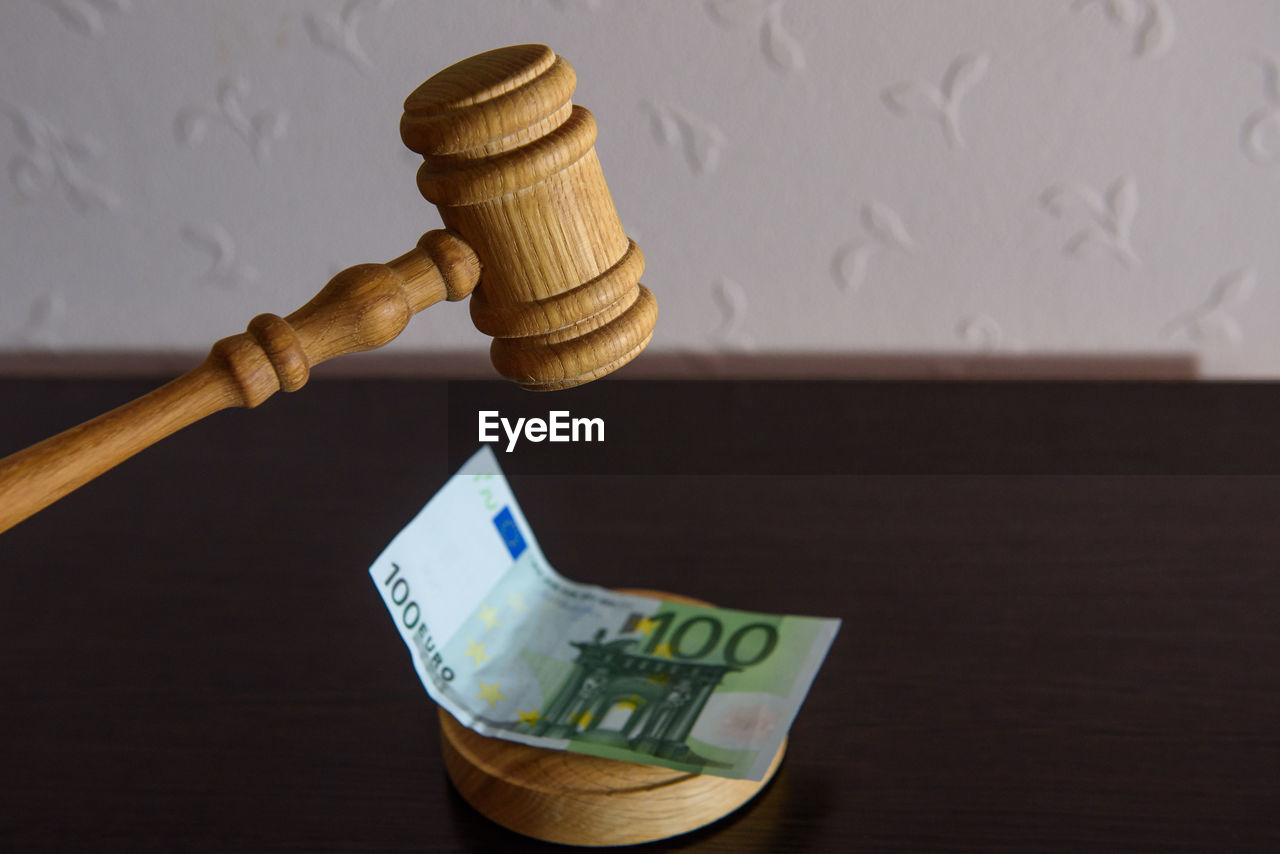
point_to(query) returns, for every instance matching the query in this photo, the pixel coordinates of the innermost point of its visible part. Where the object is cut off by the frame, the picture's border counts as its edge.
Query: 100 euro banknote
(514, 650)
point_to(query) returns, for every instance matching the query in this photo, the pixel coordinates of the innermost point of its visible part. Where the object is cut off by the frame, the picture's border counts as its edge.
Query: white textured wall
(1078, 176)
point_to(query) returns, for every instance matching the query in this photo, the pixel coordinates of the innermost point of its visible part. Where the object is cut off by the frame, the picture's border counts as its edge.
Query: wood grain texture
(361, 308)
(512, 164)
(577, 799)
(510, 161)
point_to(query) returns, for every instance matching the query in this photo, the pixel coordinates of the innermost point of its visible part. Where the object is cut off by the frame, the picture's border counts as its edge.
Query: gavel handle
(361, 308)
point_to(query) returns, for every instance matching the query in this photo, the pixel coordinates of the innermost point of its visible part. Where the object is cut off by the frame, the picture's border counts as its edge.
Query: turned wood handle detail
(510, 162)
(361, 308)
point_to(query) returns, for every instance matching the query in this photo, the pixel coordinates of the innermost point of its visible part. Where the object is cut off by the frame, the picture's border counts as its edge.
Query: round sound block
(577, 799)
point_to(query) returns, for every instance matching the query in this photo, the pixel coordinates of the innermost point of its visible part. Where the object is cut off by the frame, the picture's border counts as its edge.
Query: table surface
(194, 659)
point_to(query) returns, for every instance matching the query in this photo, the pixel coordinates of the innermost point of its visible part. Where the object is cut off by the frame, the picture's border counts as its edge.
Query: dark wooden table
(192, 657)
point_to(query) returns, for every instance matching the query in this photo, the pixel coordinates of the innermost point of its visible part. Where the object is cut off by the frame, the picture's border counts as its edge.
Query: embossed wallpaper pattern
(1038, 176)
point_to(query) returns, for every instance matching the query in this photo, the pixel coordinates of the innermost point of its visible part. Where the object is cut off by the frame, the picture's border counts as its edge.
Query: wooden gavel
(510, 162)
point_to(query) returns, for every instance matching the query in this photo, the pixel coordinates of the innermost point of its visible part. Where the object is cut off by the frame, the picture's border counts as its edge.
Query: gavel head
(510, 162)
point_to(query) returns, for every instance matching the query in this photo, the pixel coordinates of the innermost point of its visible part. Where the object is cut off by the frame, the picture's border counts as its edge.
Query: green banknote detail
(531, 656)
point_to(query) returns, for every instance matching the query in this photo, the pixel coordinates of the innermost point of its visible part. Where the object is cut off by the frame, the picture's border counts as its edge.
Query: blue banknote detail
(510, 532)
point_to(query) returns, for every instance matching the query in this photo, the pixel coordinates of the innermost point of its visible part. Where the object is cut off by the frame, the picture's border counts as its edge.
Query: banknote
(514, 650)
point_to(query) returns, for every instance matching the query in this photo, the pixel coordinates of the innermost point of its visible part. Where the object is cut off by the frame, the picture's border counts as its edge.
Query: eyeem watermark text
(559, 426)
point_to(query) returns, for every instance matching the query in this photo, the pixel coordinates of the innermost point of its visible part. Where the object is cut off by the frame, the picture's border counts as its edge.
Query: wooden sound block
(578, 799)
